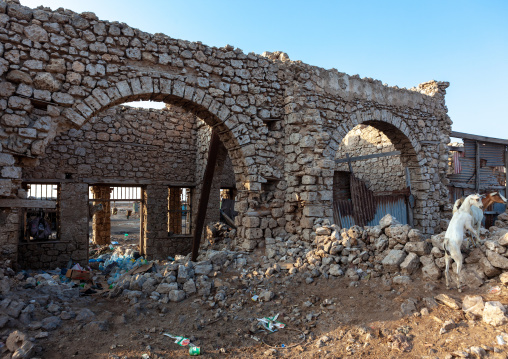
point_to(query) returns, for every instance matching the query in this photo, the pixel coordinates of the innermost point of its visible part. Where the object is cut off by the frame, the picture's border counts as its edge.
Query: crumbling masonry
(281, 123)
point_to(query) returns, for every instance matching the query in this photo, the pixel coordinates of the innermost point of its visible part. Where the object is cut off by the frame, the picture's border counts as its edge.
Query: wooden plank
(367, 157)
(472, 186)
(26, 203)
(456, 148)
(478, 138)
(205, 193)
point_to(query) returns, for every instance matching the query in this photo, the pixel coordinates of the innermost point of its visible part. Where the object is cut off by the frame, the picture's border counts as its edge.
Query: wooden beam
(205, 193)
(456, 148)
(26, 203)
(472, 186)
(367, 157)
(478, 138)
(348, 159)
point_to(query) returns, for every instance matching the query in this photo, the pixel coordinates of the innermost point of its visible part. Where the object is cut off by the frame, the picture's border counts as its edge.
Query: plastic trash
(145, 356)
(181, 341)
(271, 324)
(255, 298)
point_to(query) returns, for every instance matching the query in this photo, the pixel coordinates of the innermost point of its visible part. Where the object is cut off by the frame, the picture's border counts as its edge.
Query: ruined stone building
(281, 125)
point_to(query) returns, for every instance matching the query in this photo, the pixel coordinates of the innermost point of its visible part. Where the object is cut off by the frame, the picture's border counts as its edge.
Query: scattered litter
(181, 341)
(255, 298)
(271, 324)
(145, 356)
(494, 290)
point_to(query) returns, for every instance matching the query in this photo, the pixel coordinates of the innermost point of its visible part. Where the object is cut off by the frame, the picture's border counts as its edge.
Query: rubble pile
(389, 249)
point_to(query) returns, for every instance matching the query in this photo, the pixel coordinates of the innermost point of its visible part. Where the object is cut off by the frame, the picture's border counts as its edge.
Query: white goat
(461, 220)
(477, 214)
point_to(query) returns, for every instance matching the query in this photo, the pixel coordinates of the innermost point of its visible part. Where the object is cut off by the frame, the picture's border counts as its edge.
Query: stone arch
(411, 156)
(231, 133)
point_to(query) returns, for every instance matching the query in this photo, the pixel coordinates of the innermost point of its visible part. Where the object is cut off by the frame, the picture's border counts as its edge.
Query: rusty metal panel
(343, 213)
(363, 202)
(394, 205)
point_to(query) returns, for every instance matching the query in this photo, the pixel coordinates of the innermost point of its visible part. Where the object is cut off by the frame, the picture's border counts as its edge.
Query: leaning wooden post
(205, 193)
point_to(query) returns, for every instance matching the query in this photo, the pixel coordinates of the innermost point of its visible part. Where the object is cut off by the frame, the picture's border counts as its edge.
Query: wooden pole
(205, 193)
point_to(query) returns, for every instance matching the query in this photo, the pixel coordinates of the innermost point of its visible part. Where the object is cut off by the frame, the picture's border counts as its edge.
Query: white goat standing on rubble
(476, 213)
(461, 220)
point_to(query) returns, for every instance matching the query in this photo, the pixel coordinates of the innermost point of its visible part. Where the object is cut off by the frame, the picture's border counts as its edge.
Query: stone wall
(281, 121)
(73, 242)
(379, 174)
(124, 143)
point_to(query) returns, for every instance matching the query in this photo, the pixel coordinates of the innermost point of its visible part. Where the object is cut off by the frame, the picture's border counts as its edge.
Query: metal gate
(365, 208)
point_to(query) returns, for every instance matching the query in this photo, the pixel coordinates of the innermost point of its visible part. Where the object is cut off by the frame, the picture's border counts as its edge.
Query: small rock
(494, 314)
(448, 301)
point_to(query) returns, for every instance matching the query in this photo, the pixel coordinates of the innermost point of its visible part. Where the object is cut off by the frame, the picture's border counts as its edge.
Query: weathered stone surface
(473, 304)
(497, 260)
(393, 260)
(420, 248)
(85, 314)
(388, 220)
(410, 264)
(19, 343)
(448, 301)
(176, 295)
(494, 314)
(45, 81)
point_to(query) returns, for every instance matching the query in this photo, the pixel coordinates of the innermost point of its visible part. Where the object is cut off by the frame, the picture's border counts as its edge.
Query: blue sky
(401, 43)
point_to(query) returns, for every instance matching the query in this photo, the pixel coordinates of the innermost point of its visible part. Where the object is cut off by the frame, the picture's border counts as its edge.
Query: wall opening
(179, 211)
(115, 214)
(41, 222)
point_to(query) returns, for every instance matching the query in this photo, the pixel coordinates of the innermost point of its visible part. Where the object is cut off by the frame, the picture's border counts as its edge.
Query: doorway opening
(115, 214)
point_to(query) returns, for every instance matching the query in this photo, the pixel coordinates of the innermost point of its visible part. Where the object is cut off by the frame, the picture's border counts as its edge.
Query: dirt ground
(338, 320)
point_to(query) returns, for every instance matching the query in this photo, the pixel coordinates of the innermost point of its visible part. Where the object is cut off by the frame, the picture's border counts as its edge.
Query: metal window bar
(124, 194)
(179, 211)
(41, 224)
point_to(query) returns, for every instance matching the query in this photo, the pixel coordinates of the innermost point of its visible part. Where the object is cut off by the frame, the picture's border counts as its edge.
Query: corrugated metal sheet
(467, 176)
(492, 152)
(394, 205)
(363, 201)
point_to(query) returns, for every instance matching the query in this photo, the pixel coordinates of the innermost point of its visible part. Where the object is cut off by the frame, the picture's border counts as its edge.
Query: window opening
(179, 211)
(115, 213)
(41, 222)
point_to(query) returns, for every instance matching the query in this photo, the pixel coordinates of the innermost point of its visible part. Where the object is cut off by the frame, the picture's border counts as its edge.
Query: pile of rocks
(389, 249)
(175, 281)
